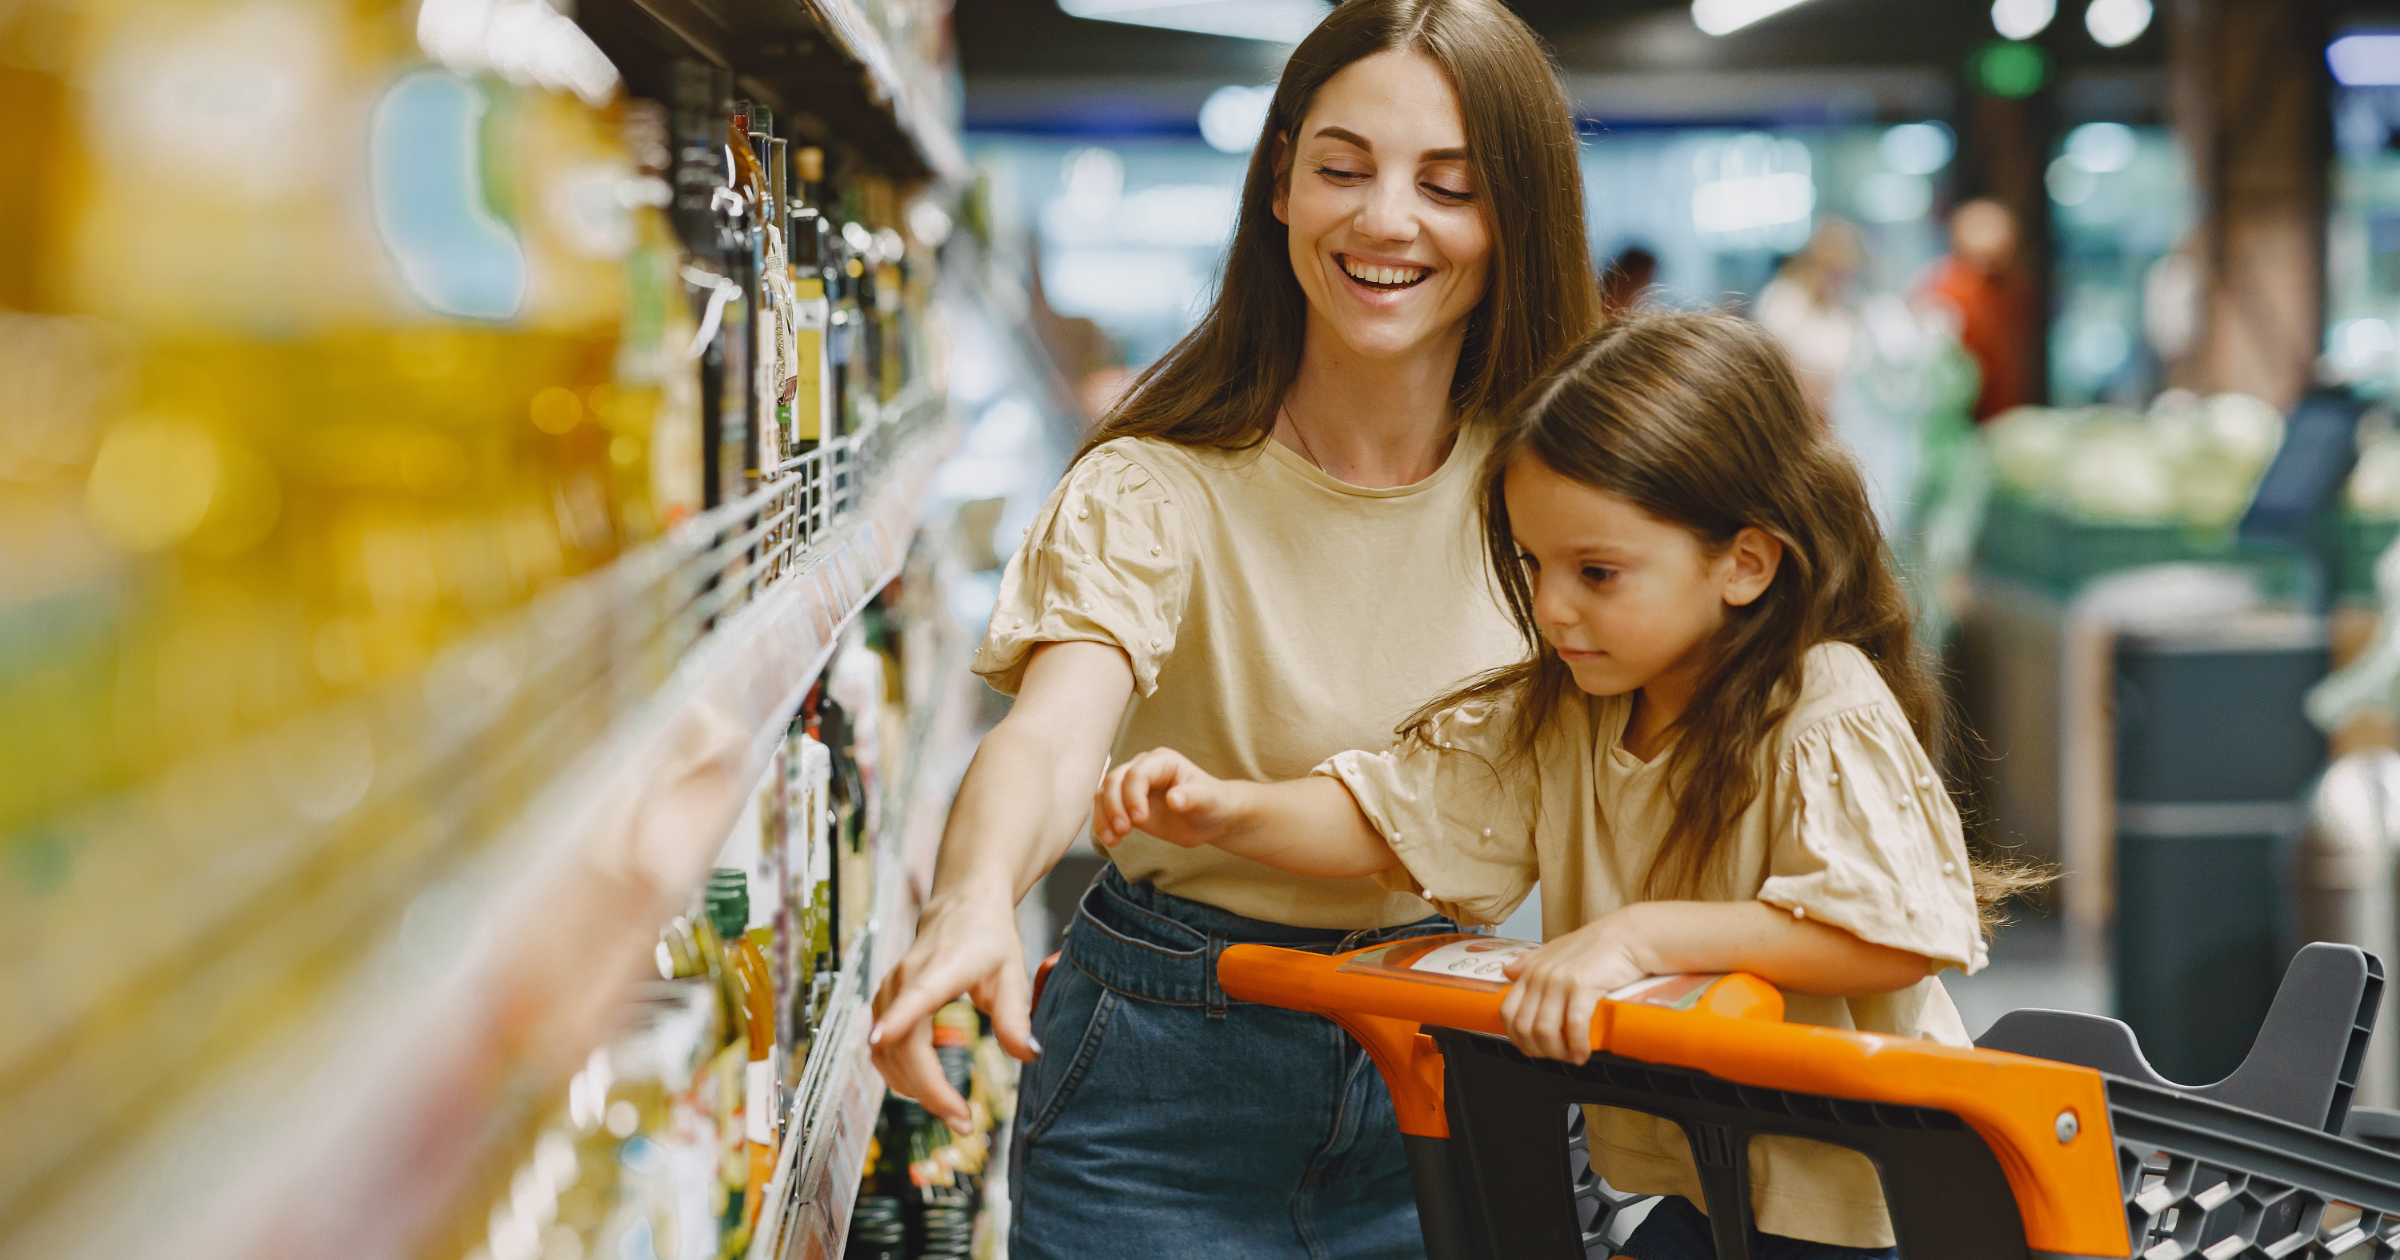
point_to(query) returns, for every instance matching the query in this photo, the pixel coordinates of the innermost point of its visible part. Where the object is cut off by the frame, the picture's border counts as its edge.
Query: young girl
(1713, 758)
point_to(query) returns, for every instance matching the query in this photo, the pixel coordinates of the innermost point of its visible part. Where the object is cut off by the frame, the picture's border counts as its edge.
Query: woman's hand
(1548, 1010)
(1165, 795)
(965, 947)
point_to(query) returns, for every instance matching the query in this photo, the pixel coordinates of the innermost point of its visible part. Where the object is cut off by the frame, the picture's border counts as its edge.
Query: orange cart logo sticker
(1465, 962)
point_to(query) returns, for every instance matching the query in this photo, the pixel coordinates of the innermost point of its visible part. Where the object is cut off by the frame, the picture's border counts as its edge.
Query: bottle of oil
(811, 247)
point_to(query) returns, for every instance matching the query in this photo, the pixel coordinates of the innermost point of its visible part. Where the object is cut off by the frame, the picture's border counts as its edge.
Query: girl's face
(1624, 598)
(1386, 236)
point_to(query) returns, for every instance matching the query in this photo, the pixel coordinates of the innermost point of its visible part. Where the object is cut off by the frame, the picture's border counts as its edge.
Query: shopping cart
(2051, 1140)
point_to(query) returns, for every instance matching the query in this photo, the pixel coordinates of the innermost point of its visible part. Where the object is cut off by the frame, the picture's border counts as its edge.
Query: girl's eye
(1335, 172)
(1594, 573)
(1448, 194)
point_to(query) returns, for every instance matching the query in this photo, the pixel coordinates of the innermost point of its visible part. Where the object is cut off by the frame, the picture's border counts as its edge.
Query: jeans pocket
(1134, 925)
(1077, 1005)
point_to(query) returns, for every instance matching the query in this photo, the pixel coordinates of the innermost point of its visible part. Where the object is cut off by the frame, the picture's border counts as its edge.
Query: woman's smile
(1377, 277)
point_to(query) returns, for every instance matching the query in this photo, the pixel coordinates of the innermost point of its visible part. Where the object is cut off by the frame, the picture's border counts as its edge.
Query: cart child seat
(1983, 1154)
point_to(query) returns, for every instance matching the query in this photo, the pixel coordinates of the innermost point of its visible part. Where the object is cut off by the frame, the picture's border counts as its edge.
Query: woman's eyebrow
(1352, 138)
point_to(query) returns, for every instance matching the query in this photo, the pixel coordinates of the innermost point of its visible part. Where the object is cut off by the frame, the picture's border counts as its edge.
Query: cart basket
(1983, 1154)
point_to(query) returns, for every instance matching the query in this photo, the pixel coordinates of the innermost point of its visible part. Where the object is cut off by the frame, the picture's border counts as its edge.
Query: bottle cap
(728, 901)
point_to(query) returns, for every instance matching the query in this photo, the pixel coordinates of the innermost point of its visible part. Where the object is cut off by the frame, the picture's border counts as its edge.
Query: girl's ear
(1755, 554)
(1283, 178)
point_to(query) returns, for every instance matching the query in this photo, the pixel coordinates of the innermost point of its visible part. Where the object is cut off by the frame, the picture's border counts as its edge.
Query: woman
(1267, 552)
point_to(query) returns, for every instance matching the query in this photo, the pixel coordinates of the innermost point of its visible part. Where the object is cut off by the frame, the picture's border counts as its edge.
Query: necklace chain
(1294, 421)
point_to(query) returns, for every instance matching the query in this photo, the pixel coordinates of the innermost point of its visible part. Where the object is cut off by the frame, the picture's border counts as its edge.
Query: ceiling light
(1724, 17)
(2365, 60)
(2022, 19)
(1232, 117)
(1274, 21)
(2102, 147)
(1916, 148)
(2116, 23)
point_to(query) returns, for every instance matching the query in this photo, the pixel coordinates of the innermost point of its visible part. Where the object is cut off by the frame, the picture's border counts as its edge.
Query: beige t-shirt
(1274, 616)
(1851, 826)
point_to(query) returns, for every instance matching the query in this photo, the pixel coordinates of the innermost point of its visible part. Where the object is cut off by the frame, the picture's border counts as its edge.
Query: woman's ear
(1755, 554)
(1283, 178)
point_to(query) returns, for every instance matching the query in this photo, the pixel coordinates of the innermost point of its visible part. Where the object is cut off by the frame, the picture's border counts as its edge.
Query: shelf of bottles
(435, 486)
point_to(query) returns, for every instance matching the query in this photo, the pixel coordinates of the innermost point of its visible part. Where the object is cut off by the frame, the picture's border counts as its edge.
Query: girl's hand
(1165, 795)
(1548, 1010)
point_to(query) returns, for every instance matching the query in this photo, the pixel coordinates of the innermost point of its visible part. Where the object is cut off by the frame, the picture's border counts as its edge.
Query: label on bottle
(758, 1102)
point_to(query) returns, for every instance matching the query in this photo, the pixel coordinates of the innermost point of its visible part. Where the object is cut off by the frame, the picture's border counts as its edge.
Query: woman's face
(1387, 236)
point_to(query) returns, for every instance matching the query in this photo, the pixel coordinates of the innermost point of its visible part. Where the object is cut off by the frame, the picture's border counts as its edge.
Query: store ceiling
(1030, 67)
(1031, 37)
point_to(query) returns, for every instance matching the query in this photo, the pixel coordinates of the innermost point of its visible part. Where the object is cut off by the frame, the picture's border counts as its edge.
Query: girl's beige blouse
(1851, 827)
(1273, 616)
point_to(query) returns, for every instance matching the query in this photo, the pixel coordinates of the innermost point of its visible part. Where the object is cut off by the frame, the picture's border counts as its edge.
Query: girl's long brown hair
(1220, 386)
(1698, 419)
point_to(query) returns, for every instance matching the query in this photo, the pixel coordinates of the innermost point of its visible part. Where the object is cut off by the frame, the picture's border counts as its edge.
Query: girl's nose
(1551, 608)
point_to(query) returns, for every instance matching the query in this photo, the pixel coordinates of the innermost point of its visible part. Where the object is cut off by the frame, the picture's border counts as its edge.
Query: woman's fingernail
(875, 1036)
(1036, 1044)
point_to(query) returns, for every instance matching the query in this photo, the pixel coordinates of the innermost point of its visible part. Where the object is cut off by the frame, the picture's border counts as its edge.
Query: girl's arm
(1549, 1008)
(1307, 826)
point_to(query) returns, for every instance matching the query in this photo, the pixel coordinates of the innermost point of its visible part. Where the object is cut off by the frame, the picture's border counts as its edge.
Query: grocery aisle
(480, 484)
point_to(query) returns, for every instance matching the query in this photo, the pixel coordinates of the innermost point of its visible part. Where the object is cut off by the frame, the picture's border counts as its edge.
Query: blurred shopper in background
(1991, 296)
(1268, 554)
(1808, 307)
(1626, 277)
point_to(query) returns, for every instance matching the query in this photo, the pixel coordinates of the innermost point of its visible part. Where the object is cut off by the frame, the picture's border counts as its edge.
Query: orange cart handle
(2064, 1175)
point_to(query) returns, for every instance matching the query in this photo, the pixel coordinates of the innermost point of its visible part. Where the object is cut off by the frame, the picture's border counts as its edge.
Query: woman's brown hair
(1220, 386)
(1698, 419)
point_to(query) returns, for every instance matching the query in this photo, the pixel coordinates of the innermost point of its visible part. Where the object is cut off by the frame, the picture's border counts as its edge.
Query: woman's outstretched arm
(1021, 804)
(1307, 826)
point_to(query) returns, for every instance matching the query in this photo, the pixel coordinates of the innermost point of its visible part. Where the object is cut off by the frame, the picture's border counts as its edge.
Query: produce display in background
(2090, 491)
(925, 1192)
(2370, 518)
(2188, 461)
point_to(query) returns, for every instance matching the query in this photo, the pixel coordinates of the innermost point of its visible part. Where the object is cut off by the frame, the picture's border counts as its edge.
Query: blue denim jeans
(1675, 1230)
(1167, 1120)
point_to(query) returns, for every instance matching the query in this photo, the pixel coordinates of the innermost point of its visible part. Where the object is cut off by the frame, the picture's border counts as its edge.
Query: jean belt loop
(1216, 995)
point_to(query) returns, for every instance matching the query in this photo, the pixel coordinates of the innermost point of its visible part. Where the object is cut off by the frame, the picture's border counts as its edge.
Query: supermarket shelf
(839, 1093)
(822, 58)
(411, 994)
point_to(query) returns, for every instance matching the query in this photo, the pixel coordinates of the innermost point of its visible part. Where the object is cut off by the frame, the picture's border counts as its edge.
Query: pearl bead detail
(1949, 868)
(1799, 912)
